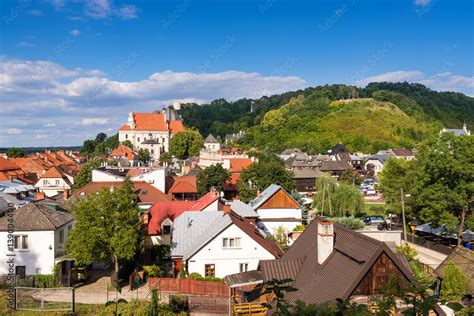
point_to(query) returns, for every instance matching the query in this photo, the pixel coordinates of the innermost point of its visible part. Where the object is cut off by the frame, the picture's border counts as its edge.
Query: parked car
(369, 220)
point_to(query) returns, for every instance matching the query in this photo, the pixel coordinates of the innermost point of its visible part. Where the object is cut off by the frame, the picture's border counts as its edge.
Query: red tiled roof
(176, 126)
(184, 184)
(171, 209)
(146, 192)
(148, 122)
(7, 164)
(239, 164)
(52, 173)
(123, 151)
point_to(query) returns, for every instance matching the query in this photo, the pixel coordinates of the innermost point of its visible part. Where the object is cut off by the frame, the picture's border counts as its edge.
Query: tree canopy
(144, 155)
(15, 153)
(260, 175)
(187, 143)
(439, 181)
(212, 176)
(100, 146)
(85, 175)
(107, 226)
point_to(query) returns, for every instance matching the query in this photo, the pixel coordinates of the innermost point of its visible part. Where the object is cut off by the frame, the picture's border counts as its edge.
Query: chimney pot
(325, 240)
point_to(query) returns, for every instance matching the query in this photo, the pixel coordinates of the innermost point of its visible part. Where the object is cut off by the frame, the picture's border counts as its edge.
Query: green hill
(386, 115)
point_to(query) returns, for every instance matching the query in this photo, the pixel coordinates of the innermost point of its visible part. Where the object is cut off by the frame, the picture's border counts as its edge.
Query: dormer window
(166, 230)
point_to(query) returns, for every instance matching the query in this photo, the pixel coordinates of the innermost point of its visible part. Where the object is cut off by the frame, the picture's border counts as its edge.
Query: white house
(154, 176)
(375, 163)
(215, 244)
(211, 144)
(151, 131)
(276, 208)
(37, 239)
(54, 182)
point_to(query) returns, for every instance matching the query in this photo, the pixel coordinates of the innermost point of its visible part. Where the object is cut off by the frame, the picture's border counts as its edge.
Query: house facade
(39, 235)
(54, 182)
(151, 131)
(276, 208)
(221, 244)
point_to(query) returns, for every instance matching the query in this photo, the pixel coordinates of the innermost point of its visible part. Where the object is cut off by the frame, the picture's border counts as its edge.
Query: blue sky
(73, 68)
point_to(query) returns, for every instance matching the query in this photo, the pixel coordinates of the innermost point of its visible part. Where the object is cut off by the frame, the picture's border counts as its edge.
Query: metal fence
(44, 299)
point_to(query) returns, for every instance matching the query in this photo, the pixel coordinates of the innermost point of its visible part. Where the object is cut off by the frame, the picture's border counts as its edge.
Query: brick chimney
(66, 194)
(39, 196)
(325, 240)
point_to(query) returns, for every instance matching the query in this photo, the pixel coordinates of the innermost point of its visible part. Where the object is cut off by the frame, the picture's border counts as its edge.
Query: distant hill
(385, 115)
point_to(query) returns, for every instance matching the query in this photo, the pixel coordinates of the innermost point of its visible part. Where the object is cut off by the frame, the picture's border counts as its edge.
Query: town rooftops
(123, 151)
(210, 139)
(53, 172)
(34, 217)
(183, 184)
(457, 132)
(381, 158)
(146, 192)
(402, 152)
(332, 165)
(153, 122)
(266, 195)
(239, 164)
(307, 173)
(6, 165)
(242, 209)
(15, 186)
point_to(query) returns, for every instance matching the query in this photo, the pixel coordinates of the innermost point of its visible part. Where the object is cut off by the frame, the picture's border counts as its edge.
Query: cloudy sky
(72, 68)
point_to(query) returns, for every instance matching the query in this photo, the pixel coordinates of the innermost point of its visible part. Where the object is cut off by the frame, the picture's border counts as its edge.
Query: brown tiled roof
(6, 164)
(183, 184)
(402, 152)
(332, 165)
(33, 217)
(146, 192)
(52, 173)
(353, 255)
(280, 269)
(463, 258)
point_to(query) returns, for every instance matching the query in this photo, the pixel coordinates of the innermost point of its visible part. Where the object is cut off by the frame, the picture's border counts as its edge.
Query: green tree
(279, 288)
(325, 188)
(85, 175)
(154, 303)
(187, 143)
(166, 159)
(212, 176)
(454, 284)
(15, 153)
(128, 143)
(347, 200)
(143, 155)
(107, 226)
(88, 147)
(100, 137)
(260, 175)
(106, 146)
(281, 237)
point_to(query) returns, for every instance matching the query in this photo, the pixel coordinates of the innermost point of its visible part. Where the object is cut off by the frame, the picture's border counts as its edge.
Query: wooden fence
(189, 286)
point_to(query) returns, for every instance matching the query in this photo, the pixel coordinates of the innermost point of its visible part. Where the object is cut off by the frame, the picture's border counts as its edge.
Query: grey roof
(332, 165)
(15, 186)
(3, 204)
(381, 158)
(211, 139)
(242, 209)
(12, 199)
(192, 230)
(243, 278)
(33, 217)
(267, 194)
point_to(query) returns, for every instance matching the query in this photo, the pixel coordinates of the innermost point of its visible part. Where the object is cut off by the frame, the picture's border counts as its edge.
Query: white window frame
(19, 246)
(243, 267)
(231, 243)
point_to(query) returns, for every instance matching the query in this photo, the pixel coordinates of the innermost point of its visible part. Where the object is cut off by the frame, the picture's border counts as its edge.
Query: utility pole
(403, 216)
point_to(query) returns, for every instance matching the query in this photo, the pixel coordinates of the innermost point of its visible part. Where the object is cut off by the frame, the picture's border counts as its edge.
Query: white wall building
(39, 234)
(151, 131)
(215, 244)
(54, 182)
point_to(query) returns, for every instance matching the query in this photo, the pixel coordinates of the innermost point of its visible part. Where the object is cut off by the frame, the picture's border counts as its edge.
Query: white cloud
(75, 33)
(13, 131)
(127, 12)
(41, 136)
(25, 44)
(423, 2)
(98, 9)
(82, 99)
(95, 121)
(36, 12)
(445, 81)
(49, 125)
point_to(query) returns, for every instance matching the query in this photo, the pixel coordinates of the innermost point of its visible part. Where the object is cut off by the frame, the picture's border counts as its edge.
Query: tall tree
(107, 226)
(100, 137)
(128, 143)
(143, 155)
(15, 152)
(88, 147)
(187, 143)
(212, 176)
(85, 175)
(260, 175)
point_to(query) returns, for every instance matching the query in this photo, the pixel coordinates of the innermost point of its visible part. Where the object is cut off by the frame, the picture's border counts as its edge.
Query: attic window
(144, 192)
(166, 230)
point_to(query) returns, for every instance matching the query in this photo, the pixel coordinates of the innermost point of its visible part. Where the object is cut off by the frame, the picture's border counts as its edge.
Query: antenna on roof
(189, 222)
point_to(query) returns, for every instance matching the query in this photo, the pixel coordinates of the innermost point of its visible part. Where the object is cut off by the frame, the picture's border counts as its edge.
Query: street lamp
(403, 213)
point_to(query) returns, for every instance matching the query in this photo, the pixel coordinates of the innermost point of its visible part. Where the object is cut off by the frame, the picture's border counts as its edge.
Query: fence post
(73, 300)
